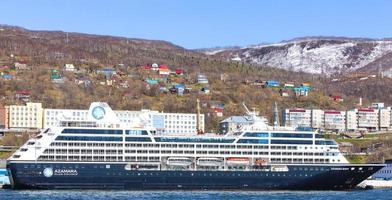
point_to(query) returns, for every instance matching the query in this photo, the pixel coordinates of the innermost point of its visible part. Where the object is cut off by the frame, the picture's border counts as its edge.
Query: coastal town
(195, 100)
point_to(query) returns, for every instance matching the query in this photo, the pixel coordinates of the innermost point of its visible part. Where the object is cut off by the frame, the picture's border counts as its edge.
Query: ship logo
(98, 112)
(48, 172)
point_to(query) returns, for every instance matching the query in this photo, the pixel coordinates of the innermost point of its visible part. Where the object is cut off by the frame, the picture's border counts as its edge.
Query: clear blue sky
(205, 23)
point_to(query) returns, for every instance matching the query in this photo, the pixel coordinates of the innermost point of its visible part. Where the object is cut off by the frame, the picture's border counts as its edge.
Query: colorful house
(164, 70)
(21, 65)
(4, 67)
(218, 112)
(108, 72)
(289, 85)
(177, 89)
(179, 72)
(152, 81)
(218, 105)
(336, 98)
(205, 90)
(202, 79)
(284, 93)
(155, 67)
(178, 86)
(69, 68)
(56, 76)
(23, 95)
(7, 77)
(301, 91)
(85, 82)
(272, 83)
(146, 67)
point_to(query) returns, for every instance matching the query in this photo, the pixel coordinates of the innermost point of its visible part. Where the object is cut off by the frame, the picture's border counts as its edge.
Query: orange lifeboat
(261, 161)
(237, 161)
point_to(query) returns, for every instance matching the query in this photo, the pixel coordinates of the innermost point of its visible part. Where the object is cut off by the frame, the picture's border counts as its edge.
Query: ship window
(292, 135)
(136, 132)
(325, 142)
(200, 140)
(138, 139)
(256, 135)
(88, 138)
(92, 131)
(253, 141)
(291, 142)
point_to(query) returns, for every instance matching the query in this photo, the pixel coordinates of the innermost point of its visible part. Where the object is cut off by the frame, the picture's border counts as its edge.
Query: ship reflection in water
(376, 194)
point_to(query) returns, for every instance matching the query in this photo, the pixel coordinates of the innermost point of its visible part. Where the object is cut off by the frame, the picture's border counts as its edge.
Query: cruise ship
(102, 153)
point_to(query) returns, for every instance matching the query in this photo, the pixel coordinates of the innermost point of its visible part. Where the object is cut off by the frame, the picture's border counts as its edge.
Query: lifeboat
(237, 161)
(261, 161)
(210, 162)
(179, 161)
(282, 168)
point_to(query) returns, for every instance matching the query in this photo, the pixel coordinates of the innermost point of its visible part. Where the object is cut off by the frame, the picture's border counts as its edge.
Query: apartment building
(297, 117)
(334, 120)
(25, 116)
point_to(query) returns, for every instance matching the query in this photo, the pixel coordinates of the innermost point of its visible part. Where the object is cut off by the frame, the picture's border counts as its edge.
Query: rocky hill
(38, 47)
(319, 55)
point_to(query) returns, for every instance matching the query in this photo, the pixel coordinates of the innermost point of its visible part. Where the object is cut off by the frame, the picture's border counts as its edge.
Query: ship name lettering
(340, 168)
(66, 172)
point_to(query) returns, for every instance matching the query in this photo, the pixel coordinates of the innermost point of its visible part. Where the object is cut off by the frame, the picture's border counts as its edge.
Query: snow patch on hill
(314, 56)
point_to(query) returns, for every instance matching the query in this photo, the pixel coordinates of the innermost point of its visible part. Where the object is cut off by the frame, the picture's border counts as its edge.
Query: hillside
(318, 55)
(45, 51)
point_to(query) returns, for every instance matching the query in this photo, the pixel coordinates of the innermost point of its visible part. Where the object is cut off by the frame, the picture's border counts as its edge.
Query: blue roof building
(178, 86)
(152, 81)
(7, 76)
(302, 90)
(272, 83)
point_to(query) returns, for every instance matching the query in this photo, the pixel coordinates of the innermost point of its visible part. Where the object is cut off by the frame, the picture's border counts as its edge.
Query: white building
(28, 116)
(202, 79)
(69, 68)
(297, 117)
(171, 123)
(351, 120)
(182, 123)
(317, 118)
(367, 119)
(378, 105)
(384, 119)
(334, 120)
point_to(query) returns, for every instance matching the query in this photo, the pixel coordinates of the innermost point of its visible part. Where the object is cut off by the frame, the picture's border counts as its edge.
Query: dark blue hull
(115, 176)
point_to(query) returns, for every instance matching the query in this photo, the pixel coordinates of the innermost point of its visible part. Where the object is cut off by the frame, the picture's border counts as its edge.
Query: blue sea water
(192, 195)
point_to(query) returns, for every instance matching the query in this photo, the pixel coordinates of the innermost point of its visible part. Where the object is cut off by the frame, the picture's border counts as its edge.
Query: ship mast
(246, 108)
(198, 117)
